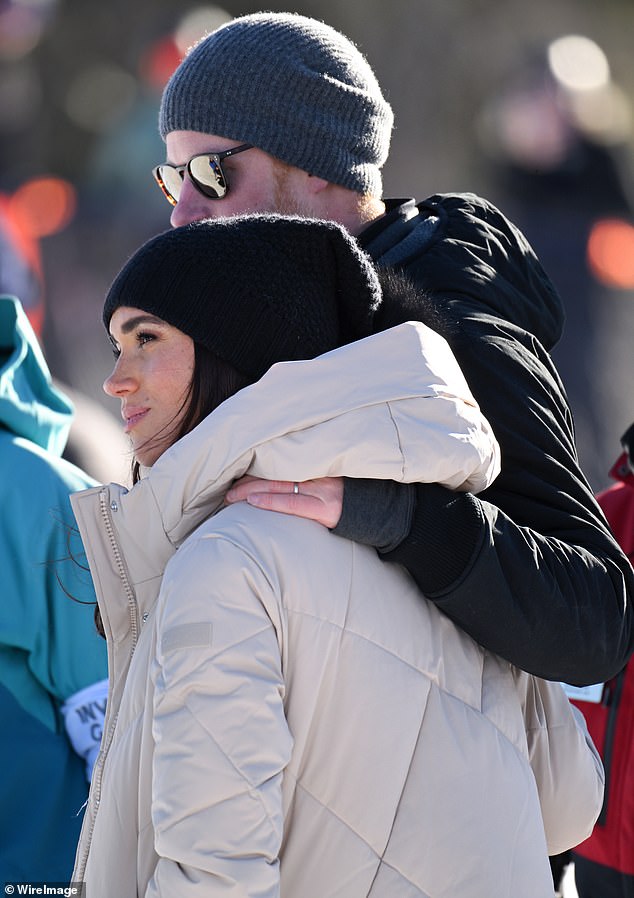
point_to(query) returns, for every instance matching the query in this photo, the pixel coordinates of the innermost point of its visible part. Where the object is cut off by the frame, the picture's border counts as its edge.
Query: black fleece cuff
(446, 533)
(376, 512)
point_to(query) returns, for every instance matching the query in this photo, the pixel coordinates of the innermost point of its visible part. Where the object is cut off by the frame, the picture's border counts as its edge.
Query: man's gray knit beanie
(292, 86)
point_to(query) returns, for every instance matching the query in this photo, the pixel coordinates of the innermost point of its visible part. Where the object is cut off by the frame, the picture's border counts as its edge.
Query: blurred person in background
(52, 663)
(604, 863)
(278, 112)
(94, 441)
(556, 139)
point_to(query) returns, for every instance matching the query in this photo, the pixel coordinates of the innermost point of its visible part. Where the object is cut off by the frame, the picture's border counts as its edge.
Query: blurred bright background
(528, 104)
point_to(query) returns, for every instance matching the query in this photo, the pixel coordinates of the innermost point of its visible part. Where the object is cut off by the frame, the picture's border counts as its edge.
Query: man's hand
(319, 500)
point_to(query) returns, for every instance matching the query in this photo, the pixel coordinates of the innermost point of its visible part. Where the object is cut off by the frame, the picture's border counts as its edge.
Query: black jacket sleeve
(528, 568)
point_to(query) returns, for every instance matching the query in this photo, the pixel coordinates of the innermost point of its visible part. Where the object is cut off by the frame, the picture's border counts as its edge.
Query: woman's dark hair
(213, 381)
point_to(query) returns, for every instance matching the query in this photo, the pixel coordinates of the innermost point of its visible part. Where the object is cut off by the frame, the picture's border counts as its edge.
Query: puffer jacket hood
(425, 384)
(429, 373)
(30, 406)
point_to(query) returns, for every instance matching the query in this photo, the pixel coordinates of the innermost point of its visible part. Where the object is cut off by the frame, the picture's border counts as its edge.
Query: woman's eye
(115, 349)
(143, 338)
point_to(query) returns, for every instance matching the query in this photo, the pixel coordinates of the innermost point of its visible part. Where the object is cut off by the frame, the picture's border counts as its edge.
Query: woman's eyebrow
(131, 323)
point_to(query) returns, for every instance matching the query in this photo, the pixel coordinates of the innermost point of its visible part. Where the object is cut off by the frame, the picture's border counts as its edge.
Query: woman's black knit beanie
(255, 289)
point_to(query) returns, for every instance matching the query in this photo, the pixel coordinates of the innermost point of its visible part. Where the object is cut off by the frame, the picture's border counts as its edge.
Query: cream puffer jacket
(287, 714)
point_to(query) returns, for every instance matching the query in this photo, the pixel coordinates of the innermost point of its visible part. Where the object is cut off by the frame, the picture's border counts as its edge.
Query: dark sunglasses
(205, 172)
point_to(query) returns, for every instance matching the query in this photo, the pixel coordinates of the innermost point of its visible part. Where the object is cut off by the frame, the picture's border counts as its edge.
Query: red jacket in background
(611, 721)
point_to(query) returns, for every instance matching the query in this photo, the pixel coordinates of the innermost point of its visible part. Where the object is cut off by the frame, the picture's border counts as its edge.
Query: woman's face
(152, 378)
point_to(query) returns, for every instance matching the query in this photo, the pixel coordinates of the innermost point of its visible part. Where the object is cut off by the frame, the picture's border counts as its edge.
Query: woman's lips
(132, 418)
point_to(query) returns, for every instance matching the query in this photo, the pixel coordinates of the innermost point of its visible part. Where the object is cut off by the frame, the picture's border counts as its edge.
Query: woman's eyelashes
(143, 337)
(140, 338)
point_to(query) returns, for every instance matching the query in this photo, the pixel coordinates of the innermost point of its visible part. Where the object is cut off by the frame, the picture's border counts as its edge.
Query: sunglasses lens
(170, 181)
(208, 176)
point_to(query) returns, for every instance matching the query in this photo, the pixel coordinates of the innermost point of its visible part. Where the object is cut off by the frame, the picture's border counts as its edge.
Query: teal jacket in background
(49, 650)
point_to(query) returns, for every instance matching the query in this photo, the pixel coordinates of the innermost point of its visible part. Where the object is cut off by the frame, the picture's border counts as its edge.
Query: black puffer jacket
(529, 568)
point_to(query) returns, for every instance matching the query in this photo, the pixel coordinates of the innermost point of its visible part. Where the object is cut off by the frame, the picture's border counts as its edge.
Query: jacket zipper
(134, 629)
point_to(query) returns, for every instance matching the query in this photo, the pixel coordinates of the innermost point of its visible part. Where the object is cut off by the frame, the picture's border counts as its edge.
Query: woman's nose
(119, 382)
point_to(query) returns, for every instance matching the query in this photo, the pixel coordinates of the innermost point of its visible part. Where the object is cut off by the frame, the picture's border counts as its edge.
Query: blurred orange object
(38, 208)
(43, 206)
(610, 252)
